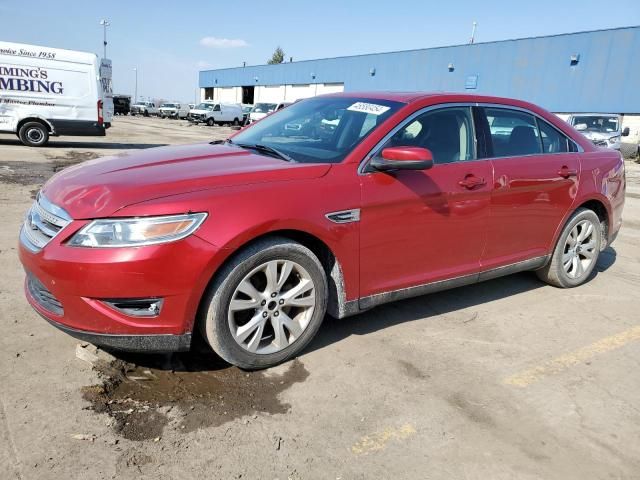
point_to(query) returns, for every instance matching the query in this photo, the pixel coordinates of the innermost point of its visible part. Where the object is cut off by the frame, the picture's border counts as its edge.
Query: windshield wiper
(266, 149)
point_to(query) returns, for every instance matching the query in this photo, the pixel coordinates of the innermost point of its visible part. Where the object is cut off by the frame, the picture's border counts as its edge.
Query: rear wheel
(576, 252)
(34, 134)
(236, 122)
(266, 305)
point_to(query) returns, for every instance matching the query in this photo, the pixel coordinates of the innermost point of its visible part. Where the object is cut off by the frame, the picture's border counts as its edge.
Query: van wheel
(34, 134)
(576, 252)
(211, 122)
(266, 305)
(236, 122)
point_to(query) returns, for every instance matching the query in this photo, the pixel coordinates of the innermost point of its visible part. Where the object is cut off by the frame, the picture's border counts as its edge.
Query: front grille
(600, 143)
(43, 222)
(42, 296)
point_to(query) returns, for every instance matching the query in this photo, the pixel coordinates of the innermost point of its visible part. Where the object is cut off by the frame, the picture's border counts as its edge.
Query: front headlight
(137, 232)
(613, 140)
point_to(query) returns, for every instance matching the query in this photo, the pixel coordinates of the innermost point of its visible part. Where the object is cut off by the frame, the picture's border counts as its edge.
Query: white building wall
(325, 88)
(229, 94)
(269, 93)
(296, 92)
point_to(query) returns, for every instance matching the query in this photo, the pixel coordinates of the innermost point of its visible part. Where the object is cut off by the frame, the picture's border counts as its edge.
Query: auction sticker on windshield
(368, 108)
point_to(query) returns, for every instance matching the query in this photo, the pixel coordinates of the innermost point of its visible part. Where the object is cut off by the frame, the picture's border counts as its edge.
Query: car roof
(437, 97)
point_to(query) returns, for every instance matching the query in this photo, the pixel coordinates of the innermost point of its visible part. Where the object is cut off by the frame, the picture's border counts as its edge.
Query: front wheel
(266, 305)
(211, 122)
(34, 134)
(576, 252)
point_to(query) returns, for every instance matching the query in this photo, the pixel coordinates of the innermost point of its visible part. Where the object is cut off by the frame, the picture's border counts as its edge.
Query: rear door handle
(471, 181)
(566, 172)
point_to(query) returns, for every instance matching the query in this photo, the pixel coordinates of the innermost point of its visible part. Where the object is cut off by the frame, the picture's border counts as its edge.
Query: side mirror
(581, 127)
(403, 158)
(625, 132)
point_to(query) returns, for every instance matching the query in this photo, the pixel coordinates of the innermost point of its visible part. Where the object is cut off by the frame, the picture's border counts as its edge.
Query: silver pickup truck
(603, 129)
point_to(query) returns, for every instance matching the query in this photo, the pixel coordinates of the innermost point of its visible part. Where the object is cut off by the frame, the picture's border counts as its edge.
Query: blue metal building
(595, 71)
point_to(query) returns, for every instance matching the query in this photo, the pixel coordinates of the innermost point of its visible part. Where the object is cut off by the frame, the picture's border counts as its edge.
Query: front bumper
(130, 343)
(81, 280)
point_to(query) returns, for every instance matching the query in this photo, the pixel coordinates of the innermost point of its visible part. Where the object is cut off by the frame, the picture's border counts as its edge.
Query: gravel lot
(506, 379)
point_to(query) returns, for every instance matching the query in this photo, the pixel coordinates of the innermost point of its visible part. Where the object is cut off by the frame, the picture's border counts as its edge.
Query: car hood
(599, 135)
(101, 187)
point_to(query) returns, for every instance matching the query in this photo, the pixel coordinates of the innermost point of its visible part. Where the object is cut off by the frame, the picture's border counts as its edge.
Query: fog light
(136, 307)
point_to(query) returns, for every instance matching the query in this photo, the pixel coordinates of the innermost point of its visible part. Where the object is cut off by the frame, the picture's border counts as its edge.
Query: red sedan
(333, 205)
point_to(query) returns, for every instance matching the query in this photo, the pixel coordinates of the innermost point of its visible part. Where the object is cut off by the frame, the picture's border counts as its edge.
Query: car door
(536, 171)
(423, 226)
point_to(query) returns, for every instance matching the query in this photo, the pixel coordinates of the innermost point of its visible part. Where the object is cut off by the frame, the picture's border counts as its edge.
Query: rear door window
(552, 140)
(513, 133)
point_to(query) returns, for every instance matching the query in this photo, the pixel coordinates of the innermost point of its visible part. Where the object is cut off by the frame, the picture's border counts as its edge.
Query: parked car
(144, 109)
(251, 240)
(121, 104)
(49, 92)
(173, 110)
(214, 113)
(604, 130)
(261, 110)
(246, 110)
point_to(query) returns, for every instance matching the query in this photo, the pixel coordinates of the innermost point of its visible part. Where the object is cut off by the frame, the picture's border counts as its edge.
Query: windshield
(264, 107)
(204, 106)
(321, 129)
(168, 105)
(595, 123)
(247, 109)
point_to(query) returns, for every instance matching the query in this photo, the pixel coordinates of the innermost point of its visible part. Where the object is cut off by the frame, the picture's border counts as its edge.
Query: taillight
(100, 118)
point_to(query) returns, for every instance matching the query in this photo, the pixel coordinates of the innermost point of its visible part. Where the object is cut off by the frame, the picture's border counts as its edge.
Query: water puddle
(144, 394)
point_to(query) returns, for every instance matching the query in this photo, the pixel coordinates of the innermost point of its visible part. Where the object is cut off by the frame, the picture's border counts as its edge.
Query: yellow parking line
(563, 362)
(379, 440)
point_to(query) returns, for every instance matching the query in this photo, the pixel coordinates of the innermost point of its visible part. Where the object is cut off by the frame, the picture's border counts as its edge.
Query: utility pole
(473, 32)
(105, 24)
(135, 96)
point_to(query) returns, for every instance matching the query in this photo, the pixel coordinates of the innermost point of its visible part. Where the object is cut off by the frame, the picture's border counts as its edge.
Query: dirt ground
(505, 379)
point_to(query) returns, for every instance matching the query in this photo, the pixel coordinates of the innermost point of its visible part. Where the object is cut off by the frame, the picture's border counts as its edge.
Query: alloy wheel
(579, 249)
(272, 306)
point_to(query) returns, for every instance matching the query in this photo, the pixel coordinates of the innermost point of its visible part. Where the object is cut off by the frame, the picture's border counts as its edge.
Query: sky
(170, 41)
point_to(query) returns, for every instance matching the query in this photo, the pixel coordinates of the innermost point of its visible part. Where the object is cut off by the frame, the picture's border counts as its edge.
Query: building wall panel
(535, 69)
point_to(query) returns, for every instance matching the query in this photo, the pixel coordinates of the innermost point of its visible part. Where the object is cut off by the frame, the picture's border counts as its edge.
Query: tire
(217, 319)
(34, 134)
(556, 272)
(236, 122)
(146, 113)
(211, 122)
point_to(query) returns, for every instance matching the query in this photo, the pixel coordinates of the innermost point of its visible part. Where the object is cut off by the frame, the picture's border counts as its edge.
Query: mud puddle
(144, 394)
(36, 173)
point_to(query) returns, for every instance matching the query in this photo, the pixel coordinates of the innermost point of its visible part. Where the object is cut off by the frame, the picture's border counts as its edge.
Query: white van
(46, 91)
(214, 113)
(174, 110)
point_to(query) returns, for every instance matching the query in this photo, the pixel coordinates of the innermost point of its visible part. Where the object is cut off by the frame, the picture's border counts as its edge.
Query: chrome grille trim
(43, 222)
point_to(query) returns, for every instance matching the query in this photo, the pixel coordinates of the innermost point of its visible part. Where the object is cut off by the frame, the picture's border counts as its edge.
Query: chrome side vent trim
(344, 216)
(43, 222)
(42, 296)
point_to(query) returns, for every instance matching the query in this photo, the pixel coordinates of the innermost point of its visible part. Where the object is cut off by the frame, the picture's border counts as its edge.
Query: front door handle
(566, 172)
(471, 181)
